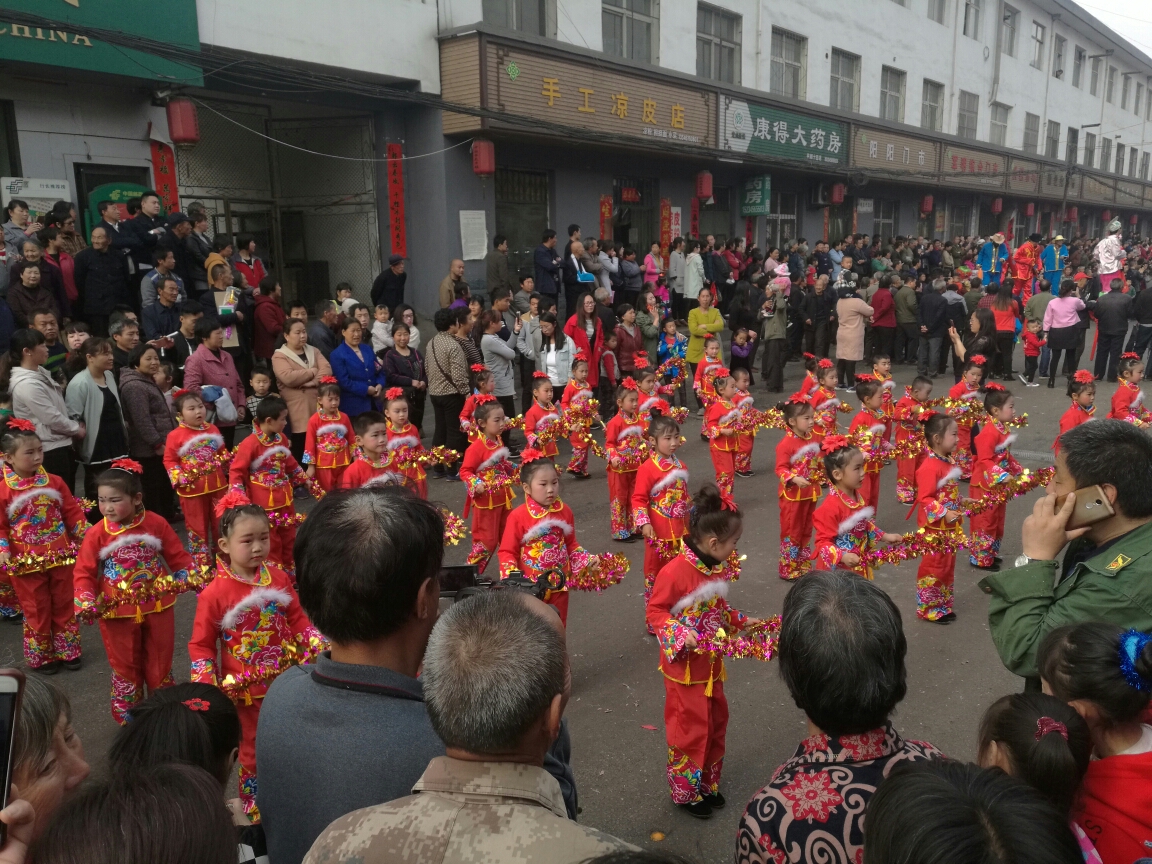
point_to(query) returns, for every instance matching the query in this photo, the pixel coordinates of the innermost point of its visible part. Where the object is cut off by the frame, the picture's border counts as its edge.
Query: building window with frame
(1110, 85)
(1052, 140)
(967, 115)
(1138, 99)
(892, 83)
(789, 59)
(1090, 149)
(1143, 166)
(1125, 91)
(1031, 133)
(932, 106)
(998, 124)
(887, 219)
(959, 220)
(536, 17)
(1072, 146)
(1060, 47)
(1037, 45)
(1118, 168)
(1133, 155)
(1008, 28)
(936, 10)
(631, 29)
(844, 85)
(717, 44)
(1105, 153)
(1094, 80)
(1078, 59)
(973, 12)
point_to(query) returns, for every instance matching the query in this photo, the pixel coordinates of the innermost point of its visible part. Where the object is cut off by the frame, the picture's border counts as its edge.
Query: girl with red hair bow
(404, 441)
(824, 400)
(810, 382)
(1128, 400)
(576, 406)
(626, 447)
(797, 468)
(720, 425)
(488, 477)
(994, 466)
(543, 421)
(329, 438)
(1082, 392)
(483, 387)
(966, 398)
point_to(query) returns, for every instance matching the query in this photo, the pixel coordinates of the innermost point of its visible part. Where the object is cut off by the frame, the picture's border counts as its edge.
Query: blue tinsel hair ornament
(1132, 644)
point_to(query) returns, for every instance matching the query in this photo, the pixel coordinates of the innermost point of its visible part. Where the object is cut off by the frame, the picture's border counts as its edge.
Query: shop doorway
(959, 218)
(636, 212)
(780, 223)
(521, 213)
(90, 177)
(716, 216)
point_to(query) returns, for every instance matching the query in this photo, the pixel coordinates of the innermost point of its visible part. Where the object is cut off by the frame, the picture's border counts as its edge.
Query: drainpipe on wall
(759, 38)
(996, 47)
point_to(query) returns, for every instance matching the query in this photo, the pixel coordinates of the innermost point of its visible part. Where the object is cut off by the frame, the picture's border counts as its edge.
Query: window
(1078, 66)
(959, 220)
(973, 11)
(630, 29)
(789, 55)
(1138, 100)
(1110, 87)
(527, 16)
(998, 131)
(936, 9)
(1052, 140)
(1133, 154)
(1094, 86)
(1125, 90)
(886, 219)
(1143, 166)
(844, 89)
(1090, 149)
(1058, 57)
(892, 94)
(967, 115)
(1031, 133)
(717, 45)
(1073, 144)
(1105, 153)
(1037, 45)
(1118, 168)
(932, 108)
(1008, 27)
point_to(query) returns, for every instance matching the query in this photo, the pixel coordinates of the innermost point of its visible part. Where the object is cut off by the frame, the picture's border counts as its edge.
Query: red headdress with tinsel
(19, 424)
(484, 399)
(808, 356)
(183, 391)
(1083, 376)
(530, 454)
(797, 398)
(394, 393)
(328, 379)
(867, 376)
(833, 443)
(629, 383)
(977, 359)
(722, 372)
(1129, 355)
(580, 357)
(539, 374)
(129, 465)
(994, 386)
(230, 500)
(478, 368)
(640, 359)
(825, 363)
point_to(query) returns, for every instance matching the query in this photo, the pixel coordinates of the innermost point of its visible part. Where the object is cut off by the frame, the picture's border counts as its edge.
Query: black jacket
(141, 227)
(819, 308)
(1142, 308)
(547, 270)
(198, 249)
(102, 280)
(933, 313)
(389, 289)
(171, 243)
(159, 320)
(1112, 313)
(823, 264)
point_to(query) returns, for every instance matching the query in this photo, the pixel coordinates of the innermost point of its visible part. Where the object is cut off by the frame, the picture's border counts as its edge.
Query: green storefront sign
(758, 130)
(170, 21)
(757, 196)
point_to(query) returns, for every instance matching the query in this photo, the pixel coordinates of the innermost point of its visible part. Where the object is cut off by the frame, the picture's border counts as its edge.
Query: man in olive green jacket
(1107, 570)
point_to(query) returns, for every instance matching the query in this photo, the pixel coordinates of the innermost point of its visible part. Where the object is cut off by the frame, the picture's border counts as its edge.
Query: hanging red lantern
(183, 124)
(839, 191)
(704, 184)
(483, 158)
(997, 205)
(1029, 209)
(1072, 214)
(1133, 219)
(926, 204)
(1106, 215)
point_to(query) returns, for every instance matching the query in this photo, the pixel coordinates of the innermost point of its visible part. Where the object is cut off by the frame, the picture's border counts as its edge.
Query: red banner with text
(395, 156)
(164, 173)
(605, 216)
(665, 226)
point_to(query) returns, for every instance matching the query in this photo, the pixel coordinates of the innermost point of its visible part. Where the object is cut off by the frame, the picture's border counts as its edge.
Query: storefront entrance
(521, 213)
(636, 213)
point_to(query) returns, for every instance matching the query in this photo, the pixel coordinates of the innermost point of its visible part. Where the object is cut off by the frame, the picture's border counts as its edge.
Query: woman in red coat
(269, 318)
(584, 328)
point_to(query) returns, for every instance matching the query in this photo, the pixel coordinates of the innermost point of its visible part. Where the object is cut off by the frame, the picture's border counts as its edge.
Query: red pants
(724, 461)
(329, 478)
(934, 580)
(282, 539)
(906, 479)
(487, 529)
(654, 562)
(987, 531)
(249, 715)
(1024, 288)
(578, 464)
(620, 486)
(870, 491)
(559, 601)
(50, 629)
(140, 656)
(745, 443)
(201, 524)
(695, 726)
(795, 537)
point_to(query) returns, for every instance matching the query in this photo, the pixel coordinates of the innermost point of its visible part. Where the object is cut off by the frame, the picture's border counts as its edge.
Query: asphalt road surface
(616, 710)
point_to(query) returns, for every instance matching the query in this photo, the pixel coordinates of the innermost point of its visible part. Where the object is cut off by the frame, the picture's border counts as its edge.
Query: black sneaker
(72, 665)
(745, 473)
(14, 619)
(631, 538)
(699, 809)
(991, 568)
(48, 668)
(452, 478)
(715, 801)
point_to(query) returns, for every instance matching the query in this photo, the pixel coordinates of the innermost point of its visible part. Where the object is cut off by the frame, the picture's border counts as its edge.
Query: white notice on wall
(473, 234)
(676, 223)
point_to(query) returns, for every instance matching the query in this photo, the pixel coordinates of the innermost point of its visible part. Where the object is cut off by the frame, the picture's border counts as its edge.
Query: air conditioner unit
(819, 195)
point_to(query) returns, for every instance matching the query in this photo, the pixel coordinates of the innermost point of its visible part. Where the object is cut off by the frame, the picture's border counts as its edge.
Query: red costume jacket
(844, 524)
(937, 492)
(364, 471)
(538, 539)
(797, 457)
(624, 441)
(718, 415)
(1128, 404)
(541, 415)
(262, 629)
(650, 402)
(691, 597)
(1114, 805)
(970, 396)
(825, 403)
(39, 518)
(487, 474)
(808, 385)
(1073, 417)
(265, 470)
(328, 441)
(196, 460)
(994, 463)
(1026, 261)
(866, 431)
(405, 442)
(888, 385)
(661, 498)
(705, 380)
(907, 414)
(129, 570)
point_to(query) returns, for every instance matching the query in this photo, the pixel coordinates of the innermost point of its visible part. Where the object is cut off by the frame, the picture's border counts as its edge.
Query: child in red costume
(1105, 673)
(745, 402)
(1082, 392)
(825, 402)
(251, 618)
(265, 471)
(706, 370)
(576, 406)
(938, 511)
(483, 385)
(130, 568)
(866, 432)
(660, 499)
(797, 469)
(651, 390)
(720, 418)
(488, 478)
(907, 414)
(1128, 400)
(41, 525)
(1033, 344)
(966, 396)
(882, 372)
(328, 438)
(845, 530)
(689, 604)
(543, 423)
(624, 443)
(810, 383)
(994, 465)
(404, 441)
(374, 465)
(197, 463)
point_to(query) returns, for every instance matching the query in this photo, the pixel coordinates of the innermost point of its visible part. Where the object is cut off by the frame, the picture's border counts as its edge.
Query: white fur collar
(674, 476)
(861, 515)
(30, 495)
(969, 394)
(333, 429)
(271, 453)
(715, 588)
(258, 598)
(951, 476)
(828, 403)
(388, 478)
(876, 429)
(547, 418)
(498, 455)
(1138, 398)
(217, 442)
(729, 417)
(889, 384)
(581, 395)
(149, 540)
(804, 452)
(543, 526)
(1006, 443)
(746, 399)
(403, 441)
(629, 432)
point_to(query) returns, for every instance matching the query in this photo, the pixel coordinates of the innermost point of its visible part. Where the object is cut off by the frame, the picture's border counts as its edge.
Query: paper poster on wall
(677, 223)
(473, 234)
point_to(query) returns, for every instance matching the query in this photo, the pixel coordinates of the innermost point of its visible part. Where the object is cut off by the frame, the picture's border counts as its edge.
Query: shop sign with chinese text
(1024, 177)
(756, 196)
(878, 149)
(762, 131)
(963, 167)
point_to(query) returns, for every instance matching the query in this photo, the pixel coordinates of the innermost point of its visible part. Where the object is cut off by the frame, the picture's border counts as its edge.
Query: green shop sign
(758, 130)
(757, 196)
(169, 21)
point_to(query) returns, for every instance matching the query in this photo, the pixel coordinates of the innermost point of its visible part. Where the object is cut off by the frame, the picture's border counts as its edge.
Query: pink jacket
(204, 368)
(651, 268)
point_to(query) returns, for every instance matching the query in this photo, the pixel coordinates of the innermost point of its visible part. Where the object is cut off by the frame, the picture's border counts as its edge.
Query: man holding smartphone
(1106, 574)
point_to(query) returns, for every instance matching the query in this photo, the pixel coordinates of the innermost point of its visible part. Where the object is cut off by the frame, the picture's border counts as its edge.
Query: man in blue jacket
(547, 265)
(993, 255)
(1052, 259)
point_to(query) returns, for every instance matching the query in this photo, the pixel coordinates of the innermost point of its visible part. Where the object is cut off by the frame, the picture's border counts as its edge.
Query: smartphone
(1091, 507)
(11, 690)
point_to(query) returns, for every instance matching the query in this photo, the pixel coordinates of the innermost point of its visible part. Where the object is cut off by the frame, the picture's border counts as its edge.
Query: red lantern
(704, 184)
(483, 158)
(839, 190)
(183, 124)
(1133, 219)
(997, 205)
(1029, 209)
(1072, 214)
(1106, 215)
(926, 204)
